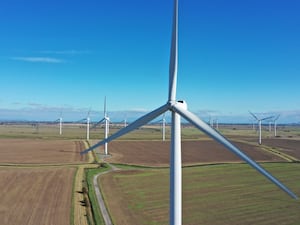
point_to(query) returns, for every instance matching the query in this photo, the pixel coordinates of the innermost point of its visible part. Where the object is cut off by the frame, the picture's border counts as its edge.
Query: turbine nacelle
(179, 103)
(182, 104)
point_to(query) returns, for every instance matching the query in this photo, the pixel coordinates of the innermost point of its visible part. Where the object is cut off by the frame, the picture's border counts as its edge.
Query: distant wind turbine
(211, 121)
(178, 109)
(259, 124)
(125, 122)
(60, 123)
(106, 128)
(275, 125)
(87, 120)
(163, 126)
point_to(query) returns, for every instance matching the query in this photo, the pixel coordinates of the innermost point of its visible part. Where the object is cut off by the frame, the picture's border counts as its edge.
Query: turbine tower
(106, 119)
(275, 125)
(164, 127)
(106, 128)
(60, 126)
(259, 124)
(87, 119)
(88, 128)
(59, 120)
(178, 109)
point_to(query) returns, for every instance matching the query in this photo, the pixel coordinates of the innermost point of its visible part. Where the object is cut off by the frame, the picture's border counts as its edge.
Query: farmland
(213, 192)
(41, 178)
(156, 153)
(35, 151)
(36, 194)
(217, 187)
(219, 194)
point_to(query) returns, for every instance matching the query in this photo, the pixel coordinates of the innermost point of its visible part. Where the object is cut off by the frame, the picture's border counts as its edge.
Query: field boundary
(273, 151)
(280, 154)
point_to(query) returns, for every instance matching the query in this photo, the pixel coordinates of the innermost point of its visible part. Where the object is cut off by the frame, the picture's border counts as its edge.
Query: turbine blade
(89, 112)
(266, 118)
(222, 140)
(132, 126)
(104, 110)
(276, 118)
(98, 123)
(80, 121)
(173, 56)
(254, 115)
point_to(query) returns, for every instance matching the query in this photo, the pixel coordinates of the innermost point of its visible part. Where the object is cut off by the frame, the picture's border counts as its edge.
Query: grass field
(216, 194)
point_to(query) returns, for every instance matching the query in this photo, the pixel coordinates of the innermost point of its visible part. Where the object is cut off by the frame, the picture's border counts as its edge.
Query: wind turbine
(60, 123)
(164, 127)
(216, 123)
(106, 128)
(275, 125)
(211, 121)
(87, 119)
(178, 108)
(125, 121)
(259, 124)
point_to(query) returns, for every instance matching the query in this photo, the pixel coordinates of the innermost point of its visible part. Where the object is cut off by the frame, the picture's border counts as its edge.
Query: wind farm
(163, 162)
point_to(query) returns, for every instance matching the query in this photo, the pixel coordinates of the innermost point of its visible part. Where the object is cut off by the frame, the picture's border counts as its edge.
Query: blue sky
(234, 56)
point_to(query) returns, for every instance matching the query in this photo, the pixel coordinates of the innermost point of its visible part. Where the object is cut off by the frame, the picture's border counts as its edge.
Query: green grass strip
(90, 173)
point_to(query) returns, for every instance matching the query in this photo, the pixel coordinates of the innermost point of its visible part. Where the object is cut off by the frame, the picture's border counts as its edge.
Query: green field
(215, 194)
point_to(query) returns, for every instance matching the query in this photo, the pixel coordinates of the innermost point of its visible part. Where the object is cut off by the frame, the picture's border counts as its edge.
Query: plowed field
(156, 153)
(40, 151)
(36, 196)
(288, 146)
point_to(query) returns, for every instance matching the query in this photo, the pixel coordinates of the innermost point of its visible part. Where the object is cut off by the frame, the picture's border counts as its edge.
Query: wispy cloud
(39, 59)
(66, 52)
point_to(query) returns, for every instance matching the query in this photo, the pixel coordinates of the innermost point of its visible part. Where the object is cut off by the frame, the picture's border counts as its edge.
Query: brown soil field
(28, 151)
(36, 196)
(288, 146)
(156, 153)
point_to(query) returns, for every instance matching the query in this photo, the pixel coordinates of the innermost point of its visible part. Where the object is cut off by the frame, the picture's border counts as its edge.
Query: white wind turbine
(211, 121)
(87, 119)
(259, 120)
(163, 126)
(275, 125)
(178, 109)
(106, 128)
(60, 123)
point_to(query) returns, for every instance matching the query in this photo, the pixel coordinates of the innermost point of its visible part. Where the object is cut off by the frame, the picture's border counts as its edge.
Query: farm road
(103, 209)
